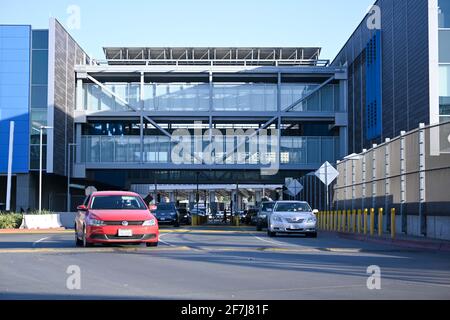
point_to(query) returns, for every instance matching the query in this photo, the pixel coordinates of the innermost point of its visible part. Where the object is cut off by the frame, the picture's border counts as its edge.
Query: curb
(405, 243)
(33, 231)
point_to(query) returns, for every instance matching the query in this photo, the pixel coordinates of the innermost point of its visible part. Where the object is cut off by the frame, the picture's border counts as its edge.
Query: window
(444, 14)
(117, 203)
(292, 207)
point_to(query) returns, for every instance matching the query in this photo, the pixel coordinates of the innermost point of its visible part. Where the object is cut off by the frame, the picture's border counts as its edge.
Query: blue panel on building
(14, 95)
(373, 87)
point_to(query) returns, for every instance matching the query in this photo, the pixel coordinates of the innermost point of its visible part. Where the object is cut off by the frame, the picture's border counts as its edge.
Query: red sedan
(115, 217)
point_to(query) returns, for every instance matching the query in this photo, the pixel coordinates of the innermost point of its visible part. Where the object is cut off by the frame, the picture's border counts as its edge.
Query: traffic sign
(294, 187)
(327, 173)
(90, 190)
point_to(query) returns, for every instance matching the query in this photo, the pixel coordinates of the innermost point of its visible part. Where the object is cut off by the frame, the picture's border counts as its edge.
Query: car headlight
(96, 223)
(311, 220)
(277, 219)
(151, 222)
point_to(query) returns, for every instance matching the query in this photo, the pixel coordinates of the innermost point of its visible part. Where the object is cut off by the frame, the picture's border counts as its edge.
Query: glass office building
(113, 121)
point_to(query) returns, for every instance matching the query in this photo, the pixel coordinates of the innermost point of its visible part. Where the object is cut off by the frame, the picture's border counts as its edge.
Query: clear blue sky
(324, 23)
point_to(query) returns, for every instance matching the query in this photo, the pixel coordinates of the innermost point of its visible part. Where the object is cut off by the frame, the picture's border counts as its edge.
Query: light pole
(41, 129)
(70, 145)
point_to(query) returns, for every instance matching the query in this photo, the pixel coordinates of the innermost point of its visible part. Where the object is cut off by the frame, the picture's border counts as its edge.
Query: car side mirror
(315, 211)
(82, 208)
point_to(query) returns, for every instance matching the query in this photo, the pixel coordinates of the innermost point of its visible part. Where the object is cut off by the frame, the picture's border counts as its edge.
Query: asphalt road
(203, 264)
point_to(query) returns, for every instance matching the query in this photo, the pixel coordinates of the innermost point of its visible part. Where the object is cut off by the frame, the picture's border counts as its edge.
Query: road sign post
(327, 174)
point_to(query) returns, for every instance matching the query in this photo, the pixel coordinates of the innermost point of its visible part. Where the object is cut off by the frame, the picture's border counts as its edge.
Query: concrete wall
(403, 175)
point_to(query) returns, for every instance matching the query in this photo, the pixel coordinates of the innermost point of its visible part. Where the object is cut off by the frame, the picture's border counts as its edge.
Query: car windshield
(267, 205)
(292, 207)
(165, 206)
(117, 203)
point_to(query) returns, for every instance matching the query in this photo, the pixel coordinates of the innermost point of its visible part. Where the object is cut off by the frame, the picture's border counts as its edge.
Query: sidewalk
(401, 240)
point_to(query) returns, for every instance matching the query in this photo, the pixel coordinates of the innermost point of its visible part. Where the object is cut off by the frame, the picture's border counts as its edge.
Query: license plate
(125, 233)
(294, 227)
(162, 219)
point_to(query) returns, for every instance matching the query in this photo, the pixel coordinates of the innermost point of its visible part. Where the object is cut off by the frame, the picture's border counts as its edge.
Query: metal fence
(410, 173)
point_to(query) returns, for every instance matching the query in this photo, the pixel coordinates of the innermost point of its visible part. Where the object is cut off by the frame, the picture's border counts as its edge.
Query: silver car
(292, 217)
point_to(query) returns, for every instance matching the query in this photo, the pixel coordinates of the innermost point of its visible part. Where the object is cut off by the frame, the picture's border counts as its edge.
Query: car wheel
(84, 241)
(258, 227)
(312, 235)
(151, 244)
(78, 242)
(270, 233)
(176, 224)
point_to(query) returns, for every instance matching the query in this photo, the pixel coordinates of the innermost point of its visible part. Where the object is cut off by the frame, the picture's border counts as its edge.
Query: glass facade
(444, 59)
(39, 91)
(158, 149)
(201, 96)
(14, 95)
(444, 14)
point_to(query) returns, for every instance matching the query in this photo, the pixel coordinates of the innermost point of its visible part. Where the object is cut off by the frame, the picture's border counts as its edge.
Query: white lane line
(39, 241)
(165, 242)
(268, 241)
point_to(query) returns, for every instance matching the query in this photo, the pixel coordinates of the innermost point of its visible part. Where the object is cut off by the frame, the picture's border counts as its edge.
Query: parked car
(292, 217)
(264, 211)
(167, 213)
(115, 217)
(197, 211)
(250, 217)
(185, 216)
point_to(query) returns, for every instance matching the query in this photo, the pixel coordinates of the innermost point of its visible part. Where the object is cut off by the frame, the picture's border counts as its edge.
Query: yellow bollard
(354, 221)
(339, 221)
(393, 223)
(349, 220)
(365, 221)
(319, 219)
(319, 216)
(329, 221)
(344, 222)
(359, 220)
(372, 221)
(334, 220)
(380, 222)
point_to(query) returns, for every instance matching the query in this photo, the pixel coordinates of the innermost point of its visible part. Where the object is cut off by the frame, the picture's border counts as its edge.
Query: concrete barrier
(44, 221)
(48, 221)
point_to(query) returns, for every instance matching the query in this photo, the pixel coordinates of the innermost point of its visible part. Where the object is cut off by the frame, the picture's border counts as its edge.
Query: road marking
(90, 250)
(272, 242)
(39, 241)
(165, 242)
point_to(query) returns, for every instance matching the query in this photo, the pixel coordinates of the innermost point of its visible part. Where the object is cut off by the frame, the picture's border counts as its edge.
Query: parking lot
(213, 263)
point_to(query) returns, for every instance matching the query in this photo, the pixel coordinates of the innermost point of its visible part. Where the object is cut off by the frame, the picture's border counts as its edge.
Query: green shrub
(10, 220)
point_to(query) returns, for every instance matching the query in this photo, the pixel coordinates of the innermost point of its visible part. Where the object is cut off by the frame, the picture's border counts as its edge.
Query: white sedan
(292, 217)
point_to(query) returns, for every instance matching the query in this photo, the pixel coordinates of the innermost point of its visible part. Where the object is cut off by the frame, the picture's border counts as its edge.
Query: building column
(212, 201)
(191, 200)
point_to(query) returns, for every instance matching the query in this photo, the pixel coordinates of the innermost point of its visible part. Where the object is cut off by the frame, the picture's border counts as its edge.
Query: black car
(264, 212)
(251, 216)
(185, 216)
(167, 213)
